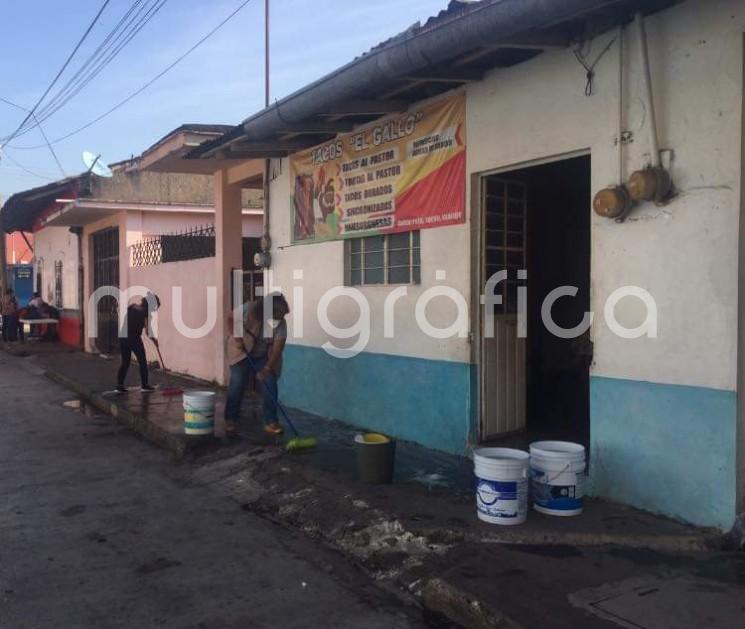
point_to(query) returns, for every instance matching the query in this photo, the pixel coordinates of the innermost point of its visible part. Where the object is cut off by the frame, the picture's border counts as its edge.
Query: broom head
(300, 444)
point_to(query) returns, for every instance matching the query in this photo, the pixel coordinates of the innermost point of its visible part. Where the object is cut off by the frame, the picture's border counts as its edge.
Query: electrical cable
(51, 148)
(590, 67)
(12, 104)
(139, 91)
(101, 64)
(23, 168)
(59, 73)
(129, 32)
(44, 135)
(101, 49)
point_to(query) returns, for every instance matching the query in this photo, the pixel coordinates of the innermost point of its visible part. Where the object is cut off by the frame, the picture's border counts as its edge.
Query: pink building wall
(193, 356)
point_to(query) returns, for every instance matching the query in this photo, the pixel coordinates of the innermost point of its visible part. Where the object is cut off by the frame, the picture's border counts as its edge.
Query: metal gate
(503, 355)
(106, 273)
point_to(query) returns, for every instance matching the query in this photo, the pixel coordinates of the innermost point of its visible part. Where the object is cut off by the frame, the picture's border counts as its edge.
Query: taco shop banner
(402, 173)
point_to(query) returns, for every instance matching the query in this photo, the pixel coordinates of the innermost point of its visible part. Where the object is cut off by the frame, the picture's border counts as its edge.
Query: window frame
(414, 268)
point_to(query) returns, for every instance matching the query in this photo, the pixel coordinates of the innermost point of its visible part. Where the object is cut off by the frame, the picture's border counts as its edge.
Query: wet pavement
(101, 531)
(335, 452)
(427, 482)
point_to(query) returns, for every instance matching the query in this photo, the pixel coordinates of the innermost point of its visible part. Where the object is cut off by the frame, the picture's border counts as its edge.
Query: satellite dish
(94, 165)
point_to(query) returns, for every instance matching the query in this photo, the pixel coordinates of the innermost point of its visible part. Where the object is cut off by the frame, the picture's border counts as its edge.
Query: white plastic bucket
(501, 485)
(199, 412)
(557, 477)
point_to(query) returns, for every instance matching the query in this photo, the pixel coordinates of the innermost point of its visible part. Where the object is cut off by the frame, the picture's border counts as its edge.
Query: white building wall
(684, 253)
(644, 425)
(51, 245)
(538, 110)
(444, 248)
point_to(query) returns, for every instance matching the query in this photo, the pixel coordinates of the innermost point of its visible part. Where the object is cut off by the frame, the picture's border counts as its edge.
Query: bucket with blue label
(557, 477)
(501, 485)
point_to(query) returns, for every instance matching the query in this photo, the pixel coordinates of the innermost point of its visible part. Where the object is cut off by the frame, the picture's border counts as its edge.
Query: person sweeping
(138, 320)
(257, 353)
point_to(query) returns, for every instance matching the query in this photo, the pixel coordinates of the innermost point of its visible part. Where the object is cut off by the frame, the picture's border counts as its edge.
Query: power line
(146, 85)
(12, 104)
(23, 168)
(102, 57)
(61, 70)
(51, 148)
(101, 47)
(41, 130)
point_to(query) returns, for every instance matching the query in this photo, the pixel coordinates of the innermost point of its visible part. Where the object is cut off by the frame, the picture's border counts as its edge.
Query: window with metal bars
(386, 259)
(505, 236)
(58, 283)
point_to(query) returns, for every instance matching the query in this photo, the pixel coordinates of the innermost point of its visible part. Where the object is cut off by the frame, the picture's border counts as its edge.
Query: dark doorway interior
(557, 254)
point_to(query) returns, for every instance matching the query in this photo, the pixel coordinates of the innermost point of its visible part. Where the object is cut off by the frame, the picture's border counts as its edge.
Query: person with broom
(137, 320)
(257, 353)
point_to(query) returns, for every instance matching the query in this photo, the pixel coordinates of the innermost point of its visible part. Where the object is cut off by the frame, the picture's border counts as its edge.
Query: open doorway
(537, 219)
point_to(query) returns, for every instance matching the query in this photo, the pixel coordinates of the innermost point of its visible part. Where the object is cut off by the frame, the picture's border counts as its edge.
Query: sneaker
(120, 389)
(274, 429)
(146, 388)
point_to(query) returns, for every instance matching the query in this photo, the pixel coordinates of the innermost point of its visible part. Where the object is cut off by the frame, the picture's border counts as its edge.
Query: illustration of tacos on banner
(404, 172)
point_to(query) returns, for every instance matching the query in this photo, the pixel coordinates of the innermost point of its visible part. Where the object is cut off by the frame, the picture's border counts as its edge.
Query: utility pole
(3, 257)
(266, 53)
(266, 240)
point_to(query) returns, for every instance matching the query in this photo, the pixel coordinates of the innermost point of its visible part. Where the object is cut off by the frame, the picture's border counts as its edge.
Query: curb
(441, 597)
(179, 445)
(666, 543)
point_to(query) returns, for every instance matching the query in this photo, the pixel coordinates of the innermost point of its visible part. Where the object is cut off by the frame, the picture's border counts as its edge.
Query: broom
(171, 390)
(298, 443)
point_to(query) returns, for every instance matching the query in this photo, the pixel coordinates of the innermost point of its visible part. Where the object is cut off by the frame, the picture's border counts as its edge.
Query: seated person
(36, 301)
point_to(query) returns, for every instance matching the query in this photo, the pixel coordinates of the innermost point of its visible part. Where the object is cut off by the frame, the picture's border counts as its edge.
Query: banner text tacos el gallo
(402, 173)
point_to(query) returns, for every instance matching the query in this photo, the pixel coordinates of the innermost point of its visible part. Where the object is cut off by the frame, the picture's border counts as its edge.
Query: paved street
(99, 530)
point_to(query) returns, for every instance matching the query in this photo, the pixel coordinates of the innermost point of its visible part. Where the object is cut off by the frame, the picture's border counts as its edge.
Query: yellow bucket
(375, 437)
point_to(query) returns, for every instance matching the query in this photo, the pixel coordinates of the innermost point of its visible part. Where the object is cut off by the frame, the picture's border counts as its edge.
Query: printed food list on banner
(402, 173)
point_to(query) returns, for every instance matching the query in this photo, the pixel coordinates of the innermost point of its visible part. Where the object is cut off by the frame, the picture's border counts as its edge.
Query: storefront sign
(403, 173)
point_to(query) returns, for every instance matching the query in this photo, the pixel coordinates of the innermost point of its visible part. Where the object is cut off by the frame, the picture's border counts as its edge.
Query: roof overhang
(454, 48)
(22, 210)
(167, 155)
(83, 212)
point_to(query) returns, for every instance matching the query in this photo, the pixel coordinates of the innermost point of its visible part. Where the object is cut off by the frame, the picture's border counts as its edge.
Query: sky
(220, 82)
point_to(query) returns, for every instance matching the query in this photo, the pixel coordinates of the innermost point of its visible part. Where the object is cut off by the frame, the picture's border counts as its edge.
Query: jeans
(240, 377)
(129, 346)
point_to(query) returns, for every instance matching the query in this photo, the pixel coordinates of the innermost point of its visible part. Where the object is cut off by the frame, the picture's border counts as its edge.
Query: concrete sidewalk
(428, 485)
(421, 533)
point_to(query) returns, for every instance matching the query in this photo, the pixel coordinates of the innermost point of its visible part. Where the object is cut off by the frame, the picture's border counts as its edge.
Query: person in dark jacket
(9, 310)
(138, 321)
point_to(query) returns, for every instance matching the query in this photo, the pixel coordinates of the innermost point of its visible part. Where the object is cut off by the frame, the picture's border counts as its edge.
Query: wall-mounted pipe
(620, 104)
(648, 96)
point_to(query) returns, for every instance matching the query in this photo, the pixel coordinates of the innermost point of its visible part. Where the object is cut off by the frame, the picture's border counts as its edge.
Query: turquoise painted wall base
(665, 448)
(427, 401)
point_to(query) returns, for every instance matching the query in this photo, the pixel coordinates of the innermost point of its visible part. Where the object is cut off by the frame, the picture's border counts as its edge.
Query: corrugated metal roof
(462, 48)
